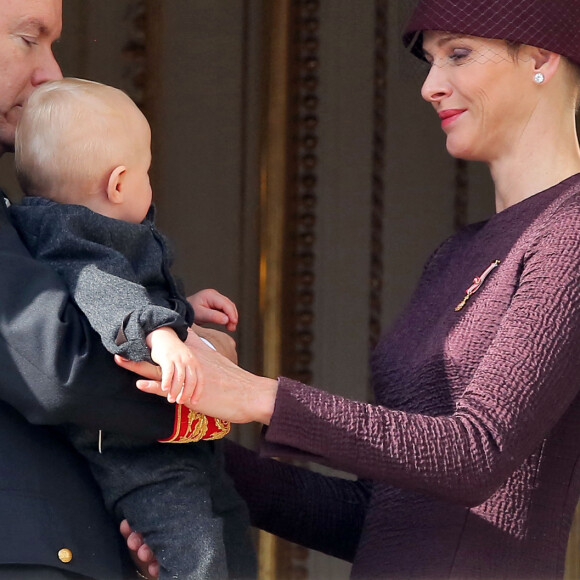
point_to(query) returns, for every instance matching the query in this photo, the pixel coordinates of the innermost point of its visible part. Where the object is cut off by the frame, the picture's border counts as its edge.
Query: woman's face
(483, 94)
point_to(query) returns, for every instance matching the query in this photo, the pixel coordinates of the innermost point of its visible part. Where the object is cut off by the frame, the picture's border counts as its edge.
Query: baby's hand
(211, 306)
(181, 375)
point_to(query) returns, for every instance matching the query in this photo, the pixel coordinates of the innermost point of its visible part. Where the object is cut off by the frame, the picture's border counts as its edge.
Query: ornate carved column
(288, 201)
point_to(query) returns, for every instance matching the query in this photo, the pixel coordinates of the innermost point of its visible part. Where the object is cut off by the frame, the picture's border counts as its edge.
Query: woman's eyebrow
(441, 41)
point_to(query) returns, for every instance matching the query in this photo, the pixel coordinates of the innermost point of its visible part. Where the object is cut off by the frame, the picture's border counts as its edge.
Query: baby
(83, 152)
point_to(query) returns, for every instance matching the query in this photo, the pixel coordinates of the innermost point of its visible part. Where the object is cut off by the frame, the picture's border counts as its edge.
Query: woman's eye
(459, 54)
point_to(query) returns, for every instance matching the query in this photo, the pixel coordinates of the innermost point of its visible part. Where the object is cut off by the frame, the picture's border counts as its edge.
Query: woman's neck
(538, 164)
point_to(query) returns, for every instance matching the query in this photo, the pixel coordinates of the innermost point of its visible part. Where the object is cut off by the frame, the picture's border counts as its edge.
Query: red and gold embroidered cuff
(191, 426)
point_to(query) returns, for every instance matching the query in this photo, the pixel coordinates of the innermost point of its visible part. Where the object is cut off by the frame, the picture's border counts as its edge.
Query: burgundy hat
(550, 24)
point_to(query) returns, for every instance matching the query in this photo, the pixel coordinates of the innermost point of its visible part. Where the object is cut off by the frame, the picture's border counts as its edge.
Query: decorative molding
(298, 232)
(305, 143)
(378, 169)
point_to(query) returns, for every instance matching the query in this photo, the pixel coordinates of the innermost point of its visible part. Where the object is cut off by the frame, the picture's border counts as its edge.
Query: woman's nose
(436, 85)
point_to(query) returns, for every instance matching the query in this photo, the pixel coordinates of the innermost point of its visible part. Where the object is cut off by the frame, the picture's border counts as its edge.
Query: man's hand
(140, 553)
(212, 307)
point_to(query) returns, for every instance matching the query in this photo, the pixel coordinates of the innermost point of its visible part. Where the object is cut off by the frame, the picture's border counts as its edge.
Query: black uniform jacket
(54, 370)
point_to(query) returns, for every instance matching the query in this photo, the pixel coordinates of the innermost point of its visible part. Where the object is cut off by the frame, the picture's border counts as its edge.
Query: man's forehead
(42, 15)
(33, 23)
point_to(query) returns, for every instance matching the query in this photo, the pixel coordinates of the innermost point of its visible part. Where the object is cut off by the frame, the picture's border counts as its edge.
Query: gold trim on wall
(273, 180)
(572, 571)
(273, 187)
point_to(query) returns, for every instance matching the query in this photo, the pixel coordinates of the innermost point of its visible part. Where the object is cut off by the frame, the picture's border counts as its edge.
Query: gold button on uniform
(65, 555)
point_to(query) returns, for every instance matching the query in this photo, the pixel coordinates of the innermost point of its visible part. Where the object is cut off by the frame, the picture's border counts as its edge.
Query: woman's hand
(140, 553)
(223, 342)
(230, 392)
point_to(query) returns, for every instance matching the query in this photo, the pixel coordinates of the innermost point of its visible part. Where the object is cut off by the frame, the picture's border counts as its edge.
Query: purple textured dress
(468, 463)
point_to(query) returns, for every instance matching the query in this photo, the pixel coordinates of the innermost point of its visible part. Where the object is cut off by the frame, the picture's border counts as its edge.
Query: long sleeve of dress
(508, 362)
(54, 367)
(319, 512)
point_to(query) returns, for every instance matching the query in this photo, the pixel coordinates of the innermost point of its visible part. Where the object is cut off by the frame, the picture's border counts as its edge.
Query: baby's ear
(115, 184)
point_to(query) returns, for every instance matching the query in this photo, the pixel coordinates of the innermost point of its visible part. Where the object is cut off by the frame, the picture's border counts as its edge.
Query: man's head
(28, 29)
(85, 143)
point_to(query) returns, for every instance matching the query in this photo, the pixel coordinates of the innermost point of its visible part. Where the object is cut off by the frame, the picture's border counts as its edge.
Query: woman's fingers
(144, 369)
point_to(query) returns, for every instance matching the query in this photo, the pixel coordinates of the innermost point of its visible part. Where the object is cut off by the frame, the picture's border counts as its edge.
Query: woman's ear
(544, 62)
(115, 184)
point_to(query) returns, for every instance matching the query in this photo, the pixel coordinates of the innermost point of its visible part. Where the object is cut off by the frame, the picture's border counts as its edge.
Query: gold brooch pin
(477, 282)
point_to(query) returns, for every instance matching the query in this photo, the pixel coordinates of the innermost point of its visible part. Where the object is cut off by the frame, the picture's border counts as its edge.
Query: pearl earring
(539, 78)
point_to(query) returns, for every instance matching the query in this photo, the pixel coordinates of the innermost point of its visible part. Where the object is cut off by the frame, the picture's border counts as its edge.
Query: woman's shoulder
(564, 211)
(556, 229)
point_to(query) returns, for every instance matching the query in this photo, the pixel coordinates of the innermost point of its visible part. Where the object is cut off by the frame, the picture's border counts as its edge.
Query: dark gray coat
(118, 273)
(51, 361)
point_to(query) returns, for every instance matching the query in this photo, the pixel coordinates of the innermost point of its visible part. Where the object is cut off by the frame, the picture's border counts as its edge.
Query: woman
(467, 464)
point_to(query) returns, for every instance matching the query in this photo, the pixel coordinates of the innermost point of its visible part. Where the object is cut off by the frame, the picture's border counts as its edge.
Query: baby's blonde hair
(69, 138)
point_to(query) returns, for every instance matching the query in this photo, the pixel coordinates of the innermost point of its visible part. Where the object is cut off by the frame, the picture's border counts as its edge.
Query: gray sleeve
(104, 286)
(120, 310)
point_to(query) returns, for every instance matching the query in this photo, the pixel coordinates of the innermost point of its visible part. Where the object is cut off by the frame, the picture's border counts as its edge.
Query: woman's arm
(316, 511)
(525, 381)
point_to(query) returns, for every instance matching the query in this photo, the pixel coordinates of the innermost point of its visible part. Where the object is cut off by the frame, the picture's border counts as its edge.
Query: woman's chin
(461, 152)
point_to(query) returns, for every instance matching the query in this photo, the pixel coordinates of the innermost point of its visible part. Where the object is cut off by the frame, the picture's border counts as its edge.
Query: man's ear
(115, 184)
(545, 62)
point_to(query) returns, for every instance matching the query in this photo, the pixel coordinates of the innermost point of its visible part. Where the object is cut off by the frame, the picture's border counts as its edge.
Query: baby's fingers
(177, 384)
(192, 384)
(232, 313)
(188, 386)
(167, 376)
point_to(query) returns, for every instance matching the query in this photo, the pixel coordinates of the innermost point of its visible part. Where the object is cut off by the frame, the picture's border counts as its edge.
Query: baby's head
(85, 143)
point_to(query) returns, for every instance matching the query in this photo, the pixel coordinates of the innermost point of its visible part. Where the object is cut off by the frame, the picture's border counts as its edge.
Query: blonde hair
(70, 137)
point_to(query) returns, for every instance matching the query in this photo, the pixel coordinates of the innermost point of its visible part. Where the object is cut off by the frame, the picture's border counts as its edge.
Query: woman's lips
(449, 116)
